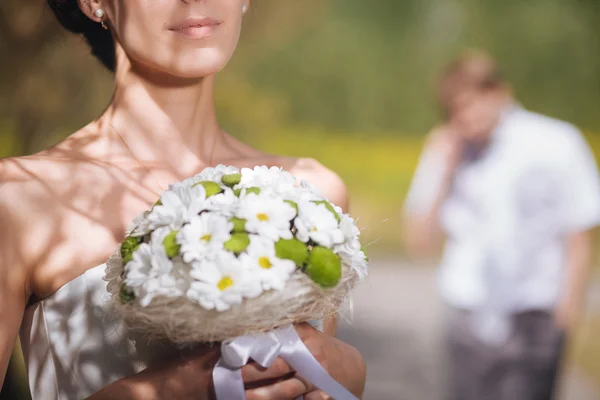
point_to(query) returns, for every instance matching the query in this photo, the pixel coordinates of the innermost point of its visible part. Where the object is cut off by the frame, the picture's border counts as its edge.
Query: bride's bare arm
(13, 292)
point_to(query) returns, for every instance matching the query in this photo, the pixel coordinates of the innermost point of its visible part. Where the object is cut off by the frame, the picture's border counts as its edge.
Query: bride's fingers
(317, 395)
(254, 372)
(289, 389)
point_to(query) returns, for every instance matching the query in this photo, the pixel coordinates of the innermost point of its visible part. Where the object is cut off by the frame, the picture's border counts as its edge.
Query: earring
(99, 13)
(244, 8)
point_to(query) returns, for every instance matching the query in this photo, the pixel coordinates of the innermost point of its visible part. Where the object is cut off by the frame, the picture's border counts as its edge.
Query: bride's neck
(161, 117)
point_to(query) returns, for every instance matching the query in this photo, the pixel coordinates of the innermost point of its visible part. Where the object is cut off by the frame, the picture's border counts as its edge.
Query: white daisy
(204, 236)
(273, 272)
(222, 283)
(263, 176)
(151, 273)
(351, 233)
(225, 203)
(267, 216)
(357, 261)
(315, 222)
(177, 206)
(214, 174)
(300, 194)
(309, 187)
(140, 225)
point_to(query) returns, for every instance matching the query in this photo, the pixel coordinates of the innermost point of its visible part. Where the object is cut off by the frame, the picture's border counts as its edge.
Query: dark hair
(71, 17)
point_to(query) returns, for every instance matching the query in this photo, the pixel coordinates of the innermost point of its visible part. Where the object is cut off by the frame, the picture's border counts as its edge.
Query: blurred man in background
(515, 194)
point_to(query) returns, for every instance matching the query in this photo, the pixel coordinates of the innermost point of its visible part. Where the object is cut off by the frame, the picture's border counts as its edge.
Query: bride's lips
(196, 28)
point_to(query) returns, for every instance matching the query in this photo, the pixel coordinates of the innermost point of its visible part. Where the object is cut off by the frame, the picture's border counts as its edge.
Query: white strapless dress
(74, 345)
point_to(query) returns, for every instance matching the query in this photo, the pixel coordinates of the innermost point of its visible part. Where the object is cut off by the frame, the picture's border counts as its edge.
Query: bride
(63, 210)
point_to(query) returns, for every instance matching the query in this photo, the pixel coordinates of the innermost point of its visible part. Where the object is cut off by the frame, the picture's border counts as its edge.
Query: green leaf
(128, 247)
(125, 295)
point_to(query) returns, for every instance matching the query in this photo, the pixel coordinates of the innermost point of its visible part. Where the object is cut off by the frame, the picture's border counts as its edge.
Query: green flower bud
(238, 243)
(324, 267)
(210, 187)
(125, 295)
(239, 225)
(293, 204)
(231, 180)
(292, 249)
(330, 208)
(128, 247)
(170, 244)
(237, 192)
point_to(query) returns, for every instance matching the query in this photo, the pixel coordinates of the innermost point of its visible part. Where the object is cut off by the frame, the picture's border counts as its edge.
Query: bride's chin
(195, 68)
(178, 74)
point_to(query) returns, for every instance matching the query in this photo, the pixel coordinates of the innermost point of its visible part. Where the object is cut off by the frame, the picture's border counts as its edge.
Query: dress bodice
(74, 344)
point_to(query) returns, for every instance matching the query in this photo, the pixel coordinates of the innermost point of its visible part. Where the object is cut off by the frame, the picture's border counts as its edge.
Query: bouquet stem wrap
(264, 348)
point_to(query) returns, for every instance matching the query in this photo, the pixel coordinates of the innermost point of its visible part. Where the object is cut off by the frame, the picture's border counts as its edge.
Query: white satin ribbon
(264, 348)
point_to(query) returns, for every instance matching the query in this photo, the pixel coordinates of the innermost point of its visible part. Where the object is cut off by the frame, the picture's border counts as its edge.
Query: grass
(585, 349)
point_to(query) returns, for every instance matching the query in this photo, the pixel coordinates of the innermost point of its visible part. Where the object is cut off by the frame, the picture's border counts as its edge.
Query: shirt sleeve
(581, 210)
(426, 183)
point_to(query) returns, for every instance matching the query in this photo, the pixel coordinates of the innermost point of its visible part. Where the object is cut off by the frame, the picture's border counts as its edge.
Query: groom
(516, 195)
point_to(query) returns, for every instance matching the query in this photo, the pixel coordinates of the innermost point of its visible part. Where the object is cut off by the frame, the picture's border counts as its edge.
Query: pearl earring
(99, 13)
(244, 9)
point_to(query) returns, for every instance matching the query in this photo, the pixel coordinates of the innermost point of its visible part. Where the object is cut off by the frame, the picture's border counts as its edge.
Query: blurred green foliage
(348, 82)
(347, 66)
(325, 78)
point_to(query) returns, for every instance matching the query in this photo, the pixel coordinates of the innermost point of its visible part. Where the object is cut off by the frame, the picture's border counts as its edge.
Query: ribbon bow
(264, 348)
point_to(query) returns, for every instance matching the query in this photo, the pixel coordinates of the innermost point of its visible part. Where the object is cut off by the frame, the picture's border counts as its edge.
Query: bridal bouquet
(235, 255)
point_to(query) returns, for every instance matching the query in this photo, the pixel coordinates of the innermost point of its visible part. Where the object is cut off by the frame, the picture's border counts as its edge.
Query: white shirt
(508, 212)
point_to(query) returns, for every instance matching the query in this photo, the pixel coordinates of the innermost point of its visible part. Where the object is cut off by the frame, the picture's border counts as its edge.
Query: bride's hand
(190, 377)
(343, 362)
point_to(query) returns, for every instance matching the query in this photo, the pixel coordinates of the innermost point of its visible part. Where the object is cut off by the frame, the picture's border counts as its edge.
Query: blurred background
(348, 82)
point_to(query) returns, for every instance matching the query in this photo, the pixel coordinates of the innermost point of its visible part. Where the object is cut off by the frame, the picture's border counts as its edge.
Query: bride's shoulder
(24, 210)
(36, 174)
(21, 176)
(35, 187)
(27, 185)
(314, 172)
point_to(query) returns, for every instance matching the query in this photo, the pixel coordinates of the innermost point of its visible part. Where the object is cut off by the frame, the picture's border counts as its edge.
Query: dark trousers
(524, 368)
